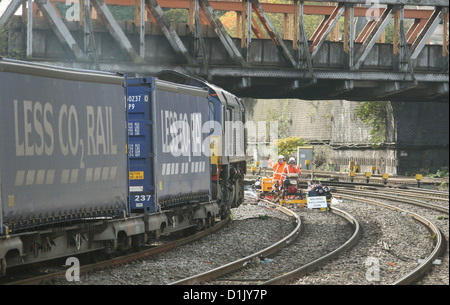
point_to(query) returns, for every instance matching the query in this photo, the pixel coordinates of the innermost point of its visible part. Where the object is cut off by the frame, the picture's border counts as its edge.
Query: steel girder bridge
(345, 57)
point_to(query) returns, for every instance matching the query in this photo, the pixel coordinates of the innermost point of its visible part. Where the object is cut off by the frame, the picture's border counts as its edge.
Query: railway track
(202, 251)
(242, 262)
(438, 239)
(298, 272)
(305, 267)
(429, 203)
(409, 274)
(246, 270)
(121, 260)
(359, 178)
(433, 206)
(402, 196)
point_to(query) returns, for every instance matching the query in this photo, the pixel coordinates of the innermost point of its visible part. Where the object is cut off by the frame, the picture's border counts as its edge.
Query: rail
(439, 241)
(121, 260)
(322, 260)
(242, 262)
(398, 198)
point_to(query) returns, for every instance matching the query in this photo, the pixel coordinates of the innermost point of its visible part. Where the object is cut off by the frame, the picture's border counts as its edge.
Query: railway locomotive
(96, 161)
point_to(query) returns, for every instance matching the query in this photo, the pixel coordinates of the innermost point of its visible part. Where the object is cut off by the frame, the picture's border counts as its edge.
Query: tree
(311, 21)
(288, 146)
(6, 34)
(376, 115)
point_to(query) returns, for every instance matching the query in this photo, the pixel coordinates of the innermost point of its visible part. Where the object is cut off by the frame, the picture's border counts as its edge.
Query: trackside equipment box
(305, 157)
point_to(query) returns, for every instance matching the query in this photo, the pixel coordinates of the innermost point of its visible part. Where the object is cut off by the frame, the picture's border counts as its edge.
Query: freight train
(96, 161)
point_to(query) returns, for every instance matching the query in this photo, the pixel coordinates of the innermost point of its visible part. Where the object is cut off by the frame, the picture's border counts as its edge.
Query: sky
(4, 5)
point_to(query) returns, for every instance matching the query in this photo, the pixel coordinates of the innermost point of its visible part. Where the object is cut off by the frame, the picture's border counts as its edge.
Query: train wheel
(212, 220)
(201, 224)
(2, 267)
(109, 248)
(138, 241)
(123, 242)
(239, 192)
(208, 221)
(231, 196)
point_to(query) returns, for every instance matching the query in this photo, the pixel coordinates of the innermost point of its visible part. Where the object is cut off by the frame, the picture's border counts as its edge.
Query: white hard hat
(292, 160)
(280, 157)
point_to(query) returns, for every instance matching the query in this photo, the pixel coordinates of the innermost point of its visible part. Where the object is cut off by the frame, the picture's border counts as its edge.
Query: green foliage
(282, 115)
(312, 22)
(176, 16)
(375, 115)
(439, 174)
(4, 48)
(122, 12)
(3, 42)
(288, 146)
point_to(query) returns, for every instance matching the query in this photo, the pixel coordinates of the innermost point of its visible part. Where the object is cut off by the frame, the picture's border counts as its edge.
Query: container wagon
(93, 161)
(63, 142)
(228, 139)
(170, 170)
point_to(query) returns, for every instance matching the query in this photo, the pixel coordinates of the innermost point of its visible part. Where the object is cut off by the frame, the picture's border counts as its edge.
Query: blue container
(169, 163)
(62, 145)
(140, 93)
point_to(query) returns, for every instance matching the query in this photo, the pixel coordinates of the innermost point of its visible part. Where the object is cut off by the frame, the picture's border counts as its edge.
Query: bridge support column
(168, 30)
(438, 15)
(115, 30)
(404, 56)
(139, 20)
(59, 28)
(374, 34)
(349, 34)
(29, 28)
(222, 33)
(304, 56)
(246, 26)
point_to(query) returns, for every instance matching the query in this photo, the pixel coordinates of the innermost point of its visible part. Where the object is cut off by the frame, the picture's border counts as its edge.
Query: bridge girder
(300, 71)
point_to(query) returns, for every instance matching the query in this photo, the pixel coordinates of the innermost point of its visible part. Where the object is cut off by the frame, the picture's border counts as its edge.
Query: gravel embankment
(369, 262)
(253, 228)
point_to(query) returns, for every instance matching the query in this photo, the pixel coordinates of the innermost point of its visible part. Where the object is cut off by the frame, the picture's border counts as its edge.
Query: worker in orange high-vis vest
(291, 169)
(278, 169)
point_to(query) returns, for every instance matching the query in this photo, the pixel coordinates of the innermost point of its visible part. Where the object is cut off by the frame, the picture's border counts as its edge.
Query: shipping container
(63, 140)
(169, 147)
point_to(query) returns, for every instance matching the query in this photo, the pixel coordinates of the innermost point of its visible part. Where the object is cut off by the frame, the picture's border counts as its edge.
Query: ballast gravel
(390, 246)
(253, 228)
